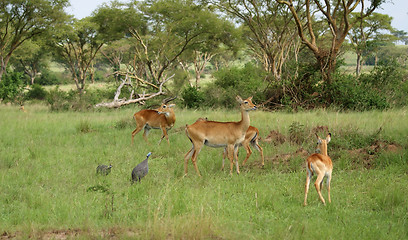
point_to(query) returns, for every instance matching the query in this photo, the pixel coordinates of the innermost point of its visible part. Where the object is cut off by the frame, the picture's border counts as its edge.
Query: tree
(22, 20)
(78, 41)
(401, 36)
(115, 53)
(367, 29)
(76, 46)
(269, 30)
(176, 27)
(30, 58)
(336, 15)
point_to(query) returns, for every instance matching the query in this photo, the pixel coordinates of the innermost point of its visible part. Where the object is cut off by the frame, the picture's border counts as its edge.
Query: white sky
(398, 10)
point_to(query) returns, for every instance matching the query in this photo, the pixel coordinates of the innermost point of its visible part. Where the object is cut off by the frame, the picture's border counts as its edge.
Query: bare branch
(116, 103)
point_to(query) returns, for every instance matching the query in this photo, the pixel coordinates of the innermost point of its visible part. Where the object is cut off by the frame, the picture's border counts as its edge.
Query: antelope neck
(245, 121)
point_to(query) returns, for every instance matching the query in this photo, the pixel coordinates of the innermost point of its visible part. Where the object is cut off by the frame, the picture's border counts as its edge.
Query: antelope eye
(246, 102)
(164, 106)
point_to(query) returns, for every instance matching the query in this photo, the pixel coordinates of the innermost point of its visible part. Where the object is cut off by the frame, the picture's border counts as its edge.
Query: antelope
(161, 118)
(251, 137)
(321, 164)
(219, 134)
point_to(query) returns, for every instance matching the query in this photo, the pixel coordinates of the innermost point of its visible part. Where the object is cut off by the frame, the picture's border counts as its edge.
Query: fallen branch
(116, 103)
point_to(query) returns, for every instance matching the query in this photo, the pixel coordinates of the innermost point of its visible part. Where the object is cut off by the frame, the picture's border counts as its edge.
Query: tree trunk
(327, 63)
(358, 65)
(3, 66)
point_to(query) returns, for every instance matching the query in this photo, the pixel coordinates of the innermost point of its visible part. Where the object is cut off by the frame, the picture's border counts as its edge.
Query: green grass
(48, 183)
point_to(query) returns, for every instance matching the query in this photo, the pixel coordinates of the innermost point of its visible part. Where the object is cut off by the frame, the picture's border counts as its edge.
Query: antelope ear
(239, 99)
(171, 105)
(328, 138)
(250, 98)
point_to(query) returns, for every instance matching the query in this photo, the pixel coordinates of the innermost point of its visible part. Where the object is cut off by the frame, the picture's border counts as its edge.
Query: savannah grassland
(49, 188)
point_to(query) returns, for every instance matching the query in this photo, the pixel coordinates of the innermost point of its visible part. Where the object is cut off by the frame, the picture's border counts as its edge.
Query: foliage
(389, 80)
(332, 29)
(48, 77)
(58, 99)
(36, 92)
(25, 20)
(347, 93)
(12, 87)
(192, 97)
(229, 82)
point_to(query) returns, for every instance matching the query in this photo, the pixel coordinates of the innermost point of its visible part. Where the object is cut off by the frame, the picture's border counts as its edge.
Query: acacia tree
(337, 15)
(21, 20)
(176, 27)
(367, 30)
(78, 41)
(76, 46)
(116, 53)
(30, 58)
(271, 33)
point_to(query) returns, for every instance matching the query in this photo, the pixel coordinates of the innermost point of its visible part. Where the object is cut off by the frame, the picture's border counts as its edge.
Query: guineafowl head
(148, 155)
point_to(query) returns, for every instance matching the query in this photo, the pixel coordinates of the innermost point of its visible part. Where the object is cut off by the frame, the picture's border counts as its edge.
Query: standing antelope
(162, 118)
(219, 134)
(251, 137)
(321, 164)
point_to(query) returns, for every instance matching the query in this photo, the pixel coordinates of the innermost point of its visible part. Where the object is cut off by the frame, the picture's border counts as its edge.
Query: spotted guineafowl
(141, 169)
(103, 169)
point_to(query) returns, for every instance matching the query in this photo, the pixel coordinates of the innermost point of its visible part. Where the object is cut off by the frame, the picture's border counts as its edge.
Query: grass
(49, 187)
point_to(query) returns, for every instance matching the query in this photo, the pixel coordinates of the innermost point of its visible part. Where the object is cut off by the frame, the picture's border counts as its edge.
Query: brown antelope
(162, 118)
(321, 164)
(251, 137)
(219, 134)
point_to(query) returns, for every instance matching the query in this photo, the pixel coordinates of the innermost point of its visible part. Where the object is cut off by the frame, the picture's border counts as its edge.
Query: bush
(47, 78)
(11, 87)
(36, 92)
(192, 98)
(348, 93)
(58, 100)
(246, 82)
(389, 79)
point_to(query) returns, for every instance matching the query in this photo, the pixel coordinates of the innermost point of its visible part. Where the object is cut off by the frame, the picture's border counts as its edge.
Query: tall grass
(48, 179)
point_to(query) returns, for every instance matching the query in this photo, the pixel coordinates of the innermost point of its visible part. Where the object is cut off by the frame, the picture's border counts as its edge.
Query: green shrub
(247, 81)
(11, 87)
(192, 97)
(47, 78)
(389, 79)
(36, 92)
(58, 100)
(348, 93)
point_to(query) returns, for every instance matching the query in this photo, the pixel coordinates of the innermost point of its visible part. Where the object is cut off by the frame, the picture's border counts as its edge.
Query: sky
(398, 10)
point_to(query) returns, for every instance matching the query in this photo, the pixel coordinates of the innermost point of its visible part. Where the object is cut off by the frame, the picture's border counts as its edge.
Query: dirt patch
(275, 137)
(113, 233)
(366, 156)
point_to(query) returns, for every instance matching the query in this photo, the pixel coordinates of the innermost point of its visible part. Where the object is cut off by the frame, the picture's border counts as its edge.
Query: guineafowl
(103, 169)
(141, 169)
